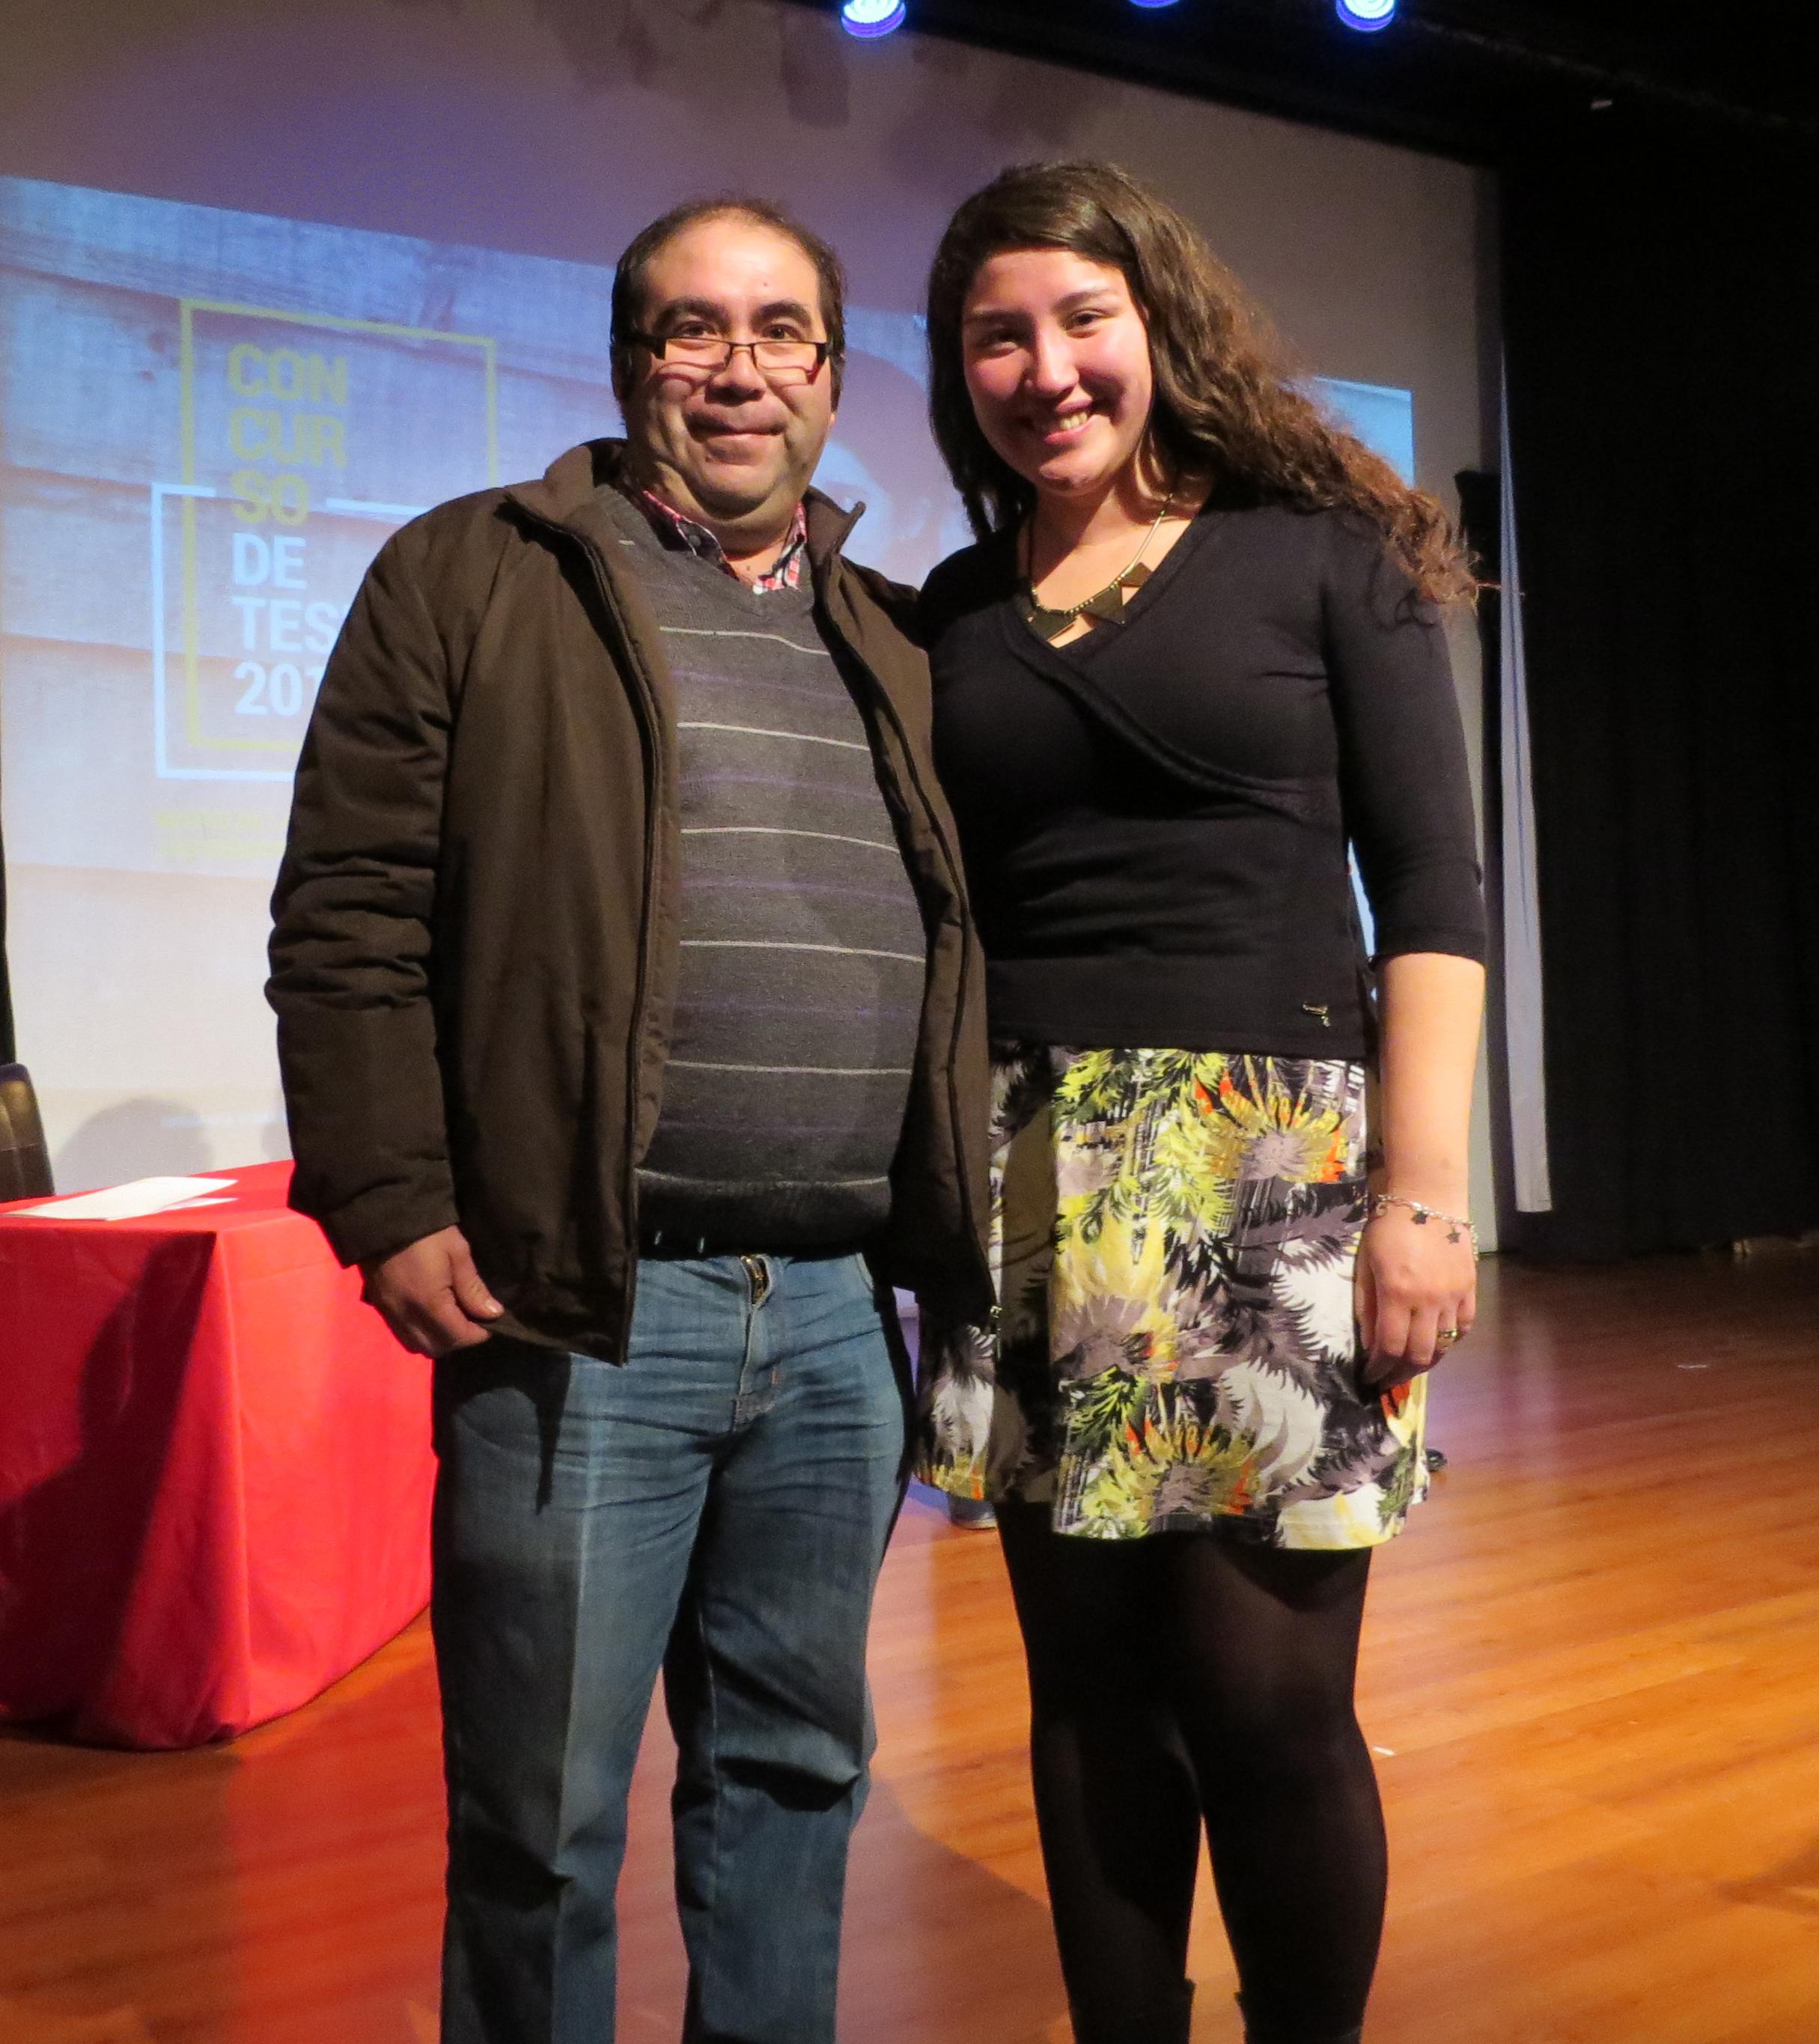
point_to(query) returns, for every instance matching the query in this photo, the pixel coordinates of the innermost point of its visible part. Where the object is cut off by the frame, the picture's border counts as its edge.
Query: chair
(24, 1157)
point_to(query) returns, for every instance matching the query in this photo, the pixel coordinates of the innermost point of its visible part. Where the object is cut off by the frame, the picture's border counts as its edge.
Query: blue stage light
(872, 18)
(1367, 15)
(1153, 3)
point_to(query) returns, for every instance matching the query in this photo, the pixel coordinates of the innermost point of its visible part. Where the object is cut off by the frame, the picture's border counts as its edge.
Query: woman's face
(1057, 358)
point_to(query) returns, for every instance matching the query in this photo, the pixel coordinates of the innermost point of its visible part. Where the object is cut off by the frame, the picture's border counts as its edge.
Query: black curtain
(1480, 525)
(1659, 315)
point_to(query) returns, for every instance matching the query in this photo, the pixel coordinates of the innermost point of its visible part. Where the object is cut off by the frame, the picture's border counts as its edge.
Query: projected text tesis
(281, 422)
(305, 435)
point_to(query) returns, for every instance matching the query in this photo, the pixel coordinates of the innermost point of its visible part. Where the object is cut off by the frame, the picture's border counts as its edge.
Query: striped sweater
(800, 974)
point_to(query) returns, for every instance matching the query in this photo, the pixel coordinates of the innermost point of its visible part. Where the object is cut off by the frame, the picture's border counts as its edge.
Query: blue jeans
(718, 1505)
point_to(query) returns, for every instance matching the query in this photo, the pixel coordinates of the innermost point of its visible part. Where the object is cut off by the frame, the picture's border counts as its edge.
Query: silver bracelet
(1423, 1214)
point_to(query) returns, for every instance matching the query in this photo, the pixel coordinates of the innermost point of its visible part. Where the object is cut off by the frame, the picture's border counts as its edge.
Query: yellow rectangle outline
(186, 310)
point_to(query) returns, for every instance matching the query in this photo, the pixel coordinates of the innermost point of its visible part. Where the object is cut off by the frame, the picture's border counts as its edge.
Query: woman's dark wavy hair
(1224, 403)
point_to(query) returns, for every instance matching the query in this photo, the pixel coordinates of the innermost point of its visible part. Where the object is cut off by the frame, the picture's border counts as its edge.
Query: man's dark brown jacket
(475, 957)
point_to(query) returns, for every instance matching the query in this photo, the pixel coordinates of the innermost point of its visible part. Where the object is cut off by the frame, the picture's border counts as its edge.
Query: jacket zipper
(646, 703)
(956, 880)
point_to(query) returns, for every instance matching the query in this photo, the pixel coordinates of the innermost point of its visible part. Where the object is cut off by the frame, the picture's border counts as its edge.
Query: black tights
(1184, 1678)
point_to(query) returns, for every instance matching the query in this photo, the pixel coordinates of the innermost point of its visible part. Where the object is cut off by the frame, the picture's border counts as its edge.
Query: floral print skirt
(1173, 1236)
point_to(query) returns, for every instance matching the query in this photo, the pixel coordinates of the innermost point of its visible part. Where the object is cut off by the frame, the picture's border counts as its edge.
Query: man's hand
(431, 1295)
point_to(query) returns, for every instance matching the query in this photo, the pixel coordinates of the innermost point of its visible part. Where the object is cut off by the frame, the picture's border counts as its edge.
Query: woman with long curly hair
(1194, 660)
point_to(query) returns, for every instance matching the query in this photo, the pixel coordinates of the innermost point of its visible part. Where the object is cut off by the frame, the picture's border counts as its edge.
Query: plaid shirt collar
(675, 529)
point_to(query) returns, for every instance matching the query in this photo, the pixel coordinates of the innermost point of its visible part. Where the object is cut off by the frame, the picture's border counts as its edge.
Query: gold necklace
(1107, 604)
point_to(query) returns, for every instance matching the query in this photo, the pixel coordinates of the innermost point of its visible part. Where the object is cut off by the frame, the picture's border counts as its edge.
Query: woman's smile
(1058, 430)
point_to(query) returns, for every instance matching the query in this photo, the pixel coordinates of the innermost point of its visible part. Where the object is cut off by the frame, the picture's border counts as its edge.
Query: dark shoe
(974, 1513)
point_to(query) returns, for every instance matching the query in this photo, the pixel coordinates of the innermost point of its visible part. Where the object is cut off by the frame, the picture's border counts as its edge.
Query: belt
(677, 1245)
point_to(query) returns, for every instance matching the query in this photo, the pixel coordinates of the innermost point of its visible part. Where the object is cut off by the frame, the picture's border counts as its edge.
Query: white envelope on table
(132, 1201)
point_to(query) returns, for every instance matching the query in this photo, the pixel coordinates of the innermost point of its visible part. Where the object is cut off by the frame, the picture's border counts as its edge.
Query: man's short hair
(628, 279)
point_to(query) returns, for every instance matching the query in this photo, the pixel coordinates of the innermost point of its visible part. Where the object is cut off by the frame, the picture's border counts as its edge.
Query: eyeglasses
(713, 350)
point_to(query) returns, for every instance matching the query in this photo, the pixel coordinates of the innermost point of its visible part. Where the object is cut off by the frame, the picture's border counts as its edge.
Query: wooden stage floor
(1592, 1671)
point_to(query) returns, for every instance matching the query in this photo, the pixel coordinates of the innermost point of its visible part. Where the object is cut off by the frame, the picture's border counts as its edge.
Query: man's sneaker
(974, 1513)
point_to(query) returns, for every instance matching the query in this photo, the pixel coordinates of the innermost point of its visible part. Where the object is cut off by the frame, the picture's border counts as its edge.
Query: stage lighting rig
(872, 18)
(1367, 16)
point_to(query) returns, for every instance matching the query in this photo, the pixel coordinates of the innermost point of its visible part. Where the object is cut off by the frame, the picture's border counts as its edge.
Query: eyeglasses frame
(656, 343)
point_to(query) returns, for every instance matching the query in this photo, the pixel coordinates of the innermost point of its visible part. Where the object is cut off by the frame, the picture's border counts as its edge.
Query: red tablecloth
(215, 1470)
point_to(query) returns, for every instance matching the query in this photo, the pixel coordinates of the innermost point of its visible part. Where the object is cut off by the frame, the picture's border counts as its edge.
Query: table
(215, 1470)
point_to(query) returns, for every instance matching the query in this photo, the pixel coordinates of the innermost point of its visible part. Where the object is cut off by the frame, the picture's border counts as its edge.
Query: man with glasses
(632, 1043)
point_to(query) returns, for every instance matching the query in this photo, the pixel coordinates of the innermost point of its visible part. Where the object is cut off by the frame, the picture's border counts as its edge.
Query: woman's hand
(1416, 1293)
(1417, 1282)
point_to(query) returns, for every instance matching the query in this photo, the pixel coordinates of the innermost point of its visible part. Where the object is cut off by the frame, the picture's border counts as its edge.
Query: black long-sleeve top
(1155, 819)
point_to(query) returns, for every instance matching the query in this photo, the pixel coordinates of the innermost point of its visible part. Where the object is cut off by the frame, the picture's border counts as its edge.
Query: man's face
(735, 446)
